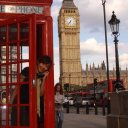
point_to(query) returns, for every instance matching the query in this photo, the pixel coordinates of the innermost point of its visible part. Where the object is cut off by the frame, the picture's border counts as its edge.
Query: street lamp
(114, 25)
(106, 43)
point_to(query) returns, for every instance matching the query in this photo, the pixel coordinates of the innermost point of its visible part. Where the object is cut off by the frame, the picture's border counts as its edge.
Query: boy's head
(24, 75)
(44, 63)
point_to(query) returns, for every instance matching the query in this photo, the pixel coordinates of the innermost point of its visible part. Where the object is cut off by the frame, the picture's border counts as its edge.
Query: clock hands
(69, 22)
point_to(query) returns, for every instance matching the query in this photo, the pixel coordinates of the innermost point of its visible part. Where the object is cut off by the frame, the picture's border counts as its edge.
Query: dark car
(78, 101)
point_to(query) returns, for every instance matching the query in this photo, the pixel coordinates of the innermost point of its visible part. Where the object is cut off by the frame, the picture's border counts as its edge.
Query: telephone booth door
(17, 51)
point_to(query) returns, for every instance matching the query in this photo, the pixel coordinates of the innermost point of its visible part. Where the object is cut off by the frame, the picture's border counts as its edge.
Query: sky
(92, 36)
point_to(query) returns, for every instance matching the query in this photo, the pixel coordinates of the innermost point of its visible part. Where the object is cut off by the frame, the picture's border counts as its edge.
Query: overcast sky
(92, 40)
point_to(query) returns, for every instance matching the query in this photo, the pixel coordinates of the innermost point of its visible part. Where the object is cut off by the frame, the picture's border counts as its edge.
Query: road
(84, 121)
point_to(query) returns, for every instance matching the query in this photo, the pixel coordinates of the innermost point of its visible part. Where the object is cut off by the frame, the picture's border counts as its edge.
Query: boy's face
(42, 67)
(22, 77)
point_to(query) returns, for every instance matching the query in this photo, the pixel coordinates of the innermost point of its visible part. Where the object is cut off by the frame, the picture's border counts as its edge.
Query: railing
(87, 109)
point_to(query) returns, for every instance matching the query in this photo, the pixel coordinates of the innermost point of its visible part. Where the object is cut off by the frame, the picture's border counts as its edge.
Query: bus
(102, 86)
(101, 90)
(93, 93)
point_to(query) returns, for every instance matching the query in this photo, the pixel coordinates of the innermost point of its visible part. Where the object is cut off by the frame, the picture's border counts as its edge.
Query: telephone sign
(21, 9)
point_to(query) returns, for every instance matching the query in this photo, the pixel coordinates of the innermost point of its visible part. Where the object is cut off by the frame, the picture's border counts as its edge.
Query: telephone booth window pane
(3, 54)
(2, 34)
(25, 64)
(3, 115)
(12, 53)
(13, 32)
(3, 74)
(3, 105)
(24, 31)
(12, 73)
(24, 53)
(14, 105)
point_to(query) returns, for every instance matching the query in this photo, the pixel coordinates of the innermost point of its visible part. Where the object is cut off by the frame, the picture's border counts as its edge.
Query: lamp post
(114, 25)
(106, 43)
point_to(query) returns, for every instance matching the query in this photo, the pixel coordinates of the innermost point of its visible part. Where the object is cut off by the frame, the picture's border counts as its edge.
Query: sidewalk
(84, 121)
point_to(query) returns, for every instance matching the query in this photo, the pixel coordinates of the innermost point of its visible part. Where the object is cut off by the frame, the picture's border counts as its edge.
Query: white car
(71, 101)
(85, 101)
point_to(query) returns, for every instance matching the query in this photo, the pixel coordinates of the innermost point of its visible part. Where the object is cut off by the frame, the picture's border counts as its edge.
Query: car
(85, 101)
(71, 101)
(68, 101)
(78, 101)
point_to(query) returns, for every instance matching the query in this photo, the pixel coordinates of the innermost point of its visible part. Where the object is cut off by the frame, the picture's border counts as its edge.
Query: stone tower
(69, 43)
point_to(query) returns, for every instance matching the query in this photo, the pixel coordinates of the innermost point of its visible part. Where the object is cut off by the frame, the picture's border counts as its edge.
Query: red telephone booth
(25, 35)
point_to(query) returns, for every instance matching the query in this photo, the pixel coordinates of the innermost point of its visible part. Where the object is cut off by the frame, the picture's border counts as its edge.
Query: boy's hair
(45, 59)
(25, 71)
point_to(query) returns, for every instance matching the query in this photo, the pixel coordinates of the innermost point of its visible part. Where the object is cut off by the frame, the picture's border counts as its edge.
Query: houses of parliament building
(100, 72)
(69, 48)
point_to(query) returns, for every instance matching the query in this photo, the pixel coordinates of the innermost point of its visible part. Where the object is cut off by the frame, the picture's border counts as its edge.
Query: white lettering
(21, 9)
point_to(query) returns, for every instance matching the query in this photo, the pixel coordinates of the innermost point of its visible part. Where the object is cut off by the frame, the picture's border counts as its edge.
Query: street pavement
(72, 120)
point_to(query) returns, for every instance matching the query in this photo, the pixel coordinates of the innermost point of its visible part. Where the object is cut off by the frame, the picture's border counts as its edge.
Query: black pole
(68, 107)
(117, 60)
(87, 108)
(78, 108)
(68, 101)
(118, 84)
(94, 94)
(106, 43)
(95, 107)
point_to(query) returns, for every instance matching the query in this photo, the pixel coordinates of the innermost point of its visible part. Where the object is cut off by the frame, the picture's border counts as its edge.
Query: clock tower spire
(68, 4)
(69, 44)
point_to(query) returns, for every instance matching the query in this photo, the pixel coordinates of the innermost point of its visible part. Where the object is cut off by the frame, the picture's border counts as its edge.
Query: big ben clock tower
(69, 44)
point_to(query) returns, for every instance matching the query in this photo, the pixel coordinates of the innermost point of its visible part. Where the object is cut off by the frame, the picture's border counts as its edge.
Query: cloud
(124, 60)
(92, 47)
(92, 51)
(91, 13)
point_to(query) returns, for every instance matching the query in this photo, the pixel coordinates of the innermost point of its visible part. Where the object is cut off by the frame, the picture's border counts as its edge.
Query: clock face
(70, 21)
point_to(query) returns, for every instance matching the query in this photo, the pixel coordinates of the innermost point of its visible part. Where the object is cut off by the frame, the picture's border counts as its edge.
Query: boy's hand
(46, 74)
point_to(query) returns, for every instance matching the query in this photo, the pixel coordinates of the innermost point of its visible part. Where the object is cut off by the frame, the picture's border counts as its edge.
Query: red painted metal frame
(49, 93)
(32, 66)
(27, 2)
(47, 48)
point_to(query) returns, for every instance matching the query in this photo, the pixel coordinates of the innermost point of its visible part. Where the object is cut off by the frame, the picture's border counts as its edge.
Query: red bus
(26, 33)
(99, 93)
(102, 86)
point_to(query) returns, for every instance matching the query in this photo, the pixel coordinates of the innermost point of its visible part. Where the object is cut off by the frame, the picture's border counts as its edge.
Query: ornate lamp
(114, 25)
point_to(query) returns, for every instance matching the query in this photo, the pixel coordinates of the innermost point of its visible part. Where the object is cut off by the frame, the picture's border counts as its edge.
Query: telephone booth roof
(39, 2)
(16, 8)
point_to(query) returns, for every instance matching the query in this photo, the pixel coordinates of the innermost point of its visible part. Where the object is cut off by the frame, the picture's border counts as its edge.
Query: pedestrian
(59, 100)
(24, 99)
(43, 66)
